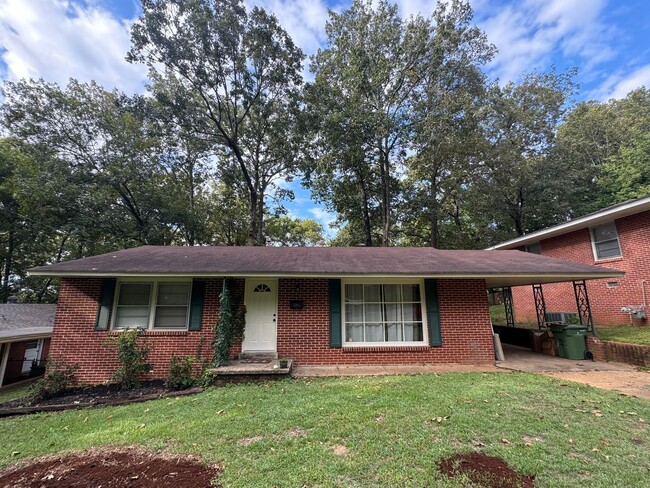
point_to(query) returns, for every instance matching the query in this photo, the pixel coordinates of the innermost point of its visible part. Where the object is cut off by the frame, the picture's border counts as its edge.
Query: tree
(287, 231)
(236, 79)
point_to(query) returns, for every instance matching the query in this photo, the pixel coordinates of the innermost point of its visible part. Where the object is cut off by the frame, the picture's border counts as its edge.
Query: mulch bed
(484, 470)
(111, 467)
(89, 396)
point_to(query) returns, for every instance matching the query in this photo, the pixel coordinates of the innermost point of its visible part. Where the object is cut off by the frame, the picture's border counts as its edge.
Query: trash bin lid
(575, 327)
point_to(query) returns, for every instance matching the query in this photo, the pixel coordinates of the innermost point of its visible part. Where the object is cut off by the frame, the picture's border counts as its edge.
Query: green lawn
(630, 333)
(393, 430)
(7, 395)
(498, 314)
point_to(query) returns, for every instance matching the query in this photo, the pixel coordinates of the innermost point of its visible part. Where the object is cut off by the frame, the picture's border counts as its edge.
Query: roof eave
(590, 220)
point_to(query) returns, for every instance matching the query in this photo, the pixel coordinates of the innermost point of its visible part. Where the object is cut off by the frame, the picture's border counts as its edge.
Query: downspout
(645, 302)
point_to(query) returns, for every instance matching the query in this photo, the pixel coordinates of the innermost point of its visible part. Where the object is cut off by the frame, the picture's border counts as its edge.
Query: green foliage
(180, 373)
(58, 377)
(287, 231)
(132, 355)
(231, 324)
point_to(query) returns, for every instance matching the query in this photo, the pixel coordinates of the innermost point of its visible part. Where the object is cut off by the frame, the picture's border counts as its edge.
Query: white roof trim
(606, 215)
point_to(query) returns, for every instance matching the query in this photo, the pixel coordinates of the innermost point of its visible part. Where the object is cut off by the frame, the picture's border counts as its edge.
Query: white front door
(261, 311)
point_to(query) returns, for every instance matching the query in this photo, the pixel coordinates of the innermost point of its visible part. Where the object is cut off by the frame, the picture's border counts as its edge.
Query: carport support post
(506, 292)
(582, 304)
(4, 347)
(540, 306)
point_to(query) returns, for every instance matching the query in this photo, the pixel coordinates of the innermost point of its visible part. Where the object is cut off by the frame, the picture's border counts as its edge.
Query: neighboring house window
(535, 248)
(152, 305)
(604, 239)
(383, 313)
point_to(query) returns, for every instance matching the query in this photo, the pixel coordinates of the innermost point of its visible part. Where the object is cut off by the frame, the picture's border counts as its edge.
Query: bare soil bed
(111, 467)
(484, 470)
(93, 395)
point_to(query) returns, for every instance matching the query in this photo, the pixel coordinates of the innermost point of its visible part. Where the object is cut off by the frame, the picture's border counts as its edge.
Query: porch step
(250, 371)
(258, 355)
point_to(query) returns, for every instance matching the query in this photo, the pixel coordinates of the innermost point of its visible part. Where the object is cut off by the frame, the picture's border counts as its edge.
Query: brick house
(25, 332)
(616, 237)
(313, 305)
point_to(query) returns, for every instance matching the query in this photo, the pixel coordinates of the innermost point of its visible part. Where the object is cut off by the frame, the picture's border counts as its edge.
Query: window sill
(411, 348)
(608, 260)
(155, 333)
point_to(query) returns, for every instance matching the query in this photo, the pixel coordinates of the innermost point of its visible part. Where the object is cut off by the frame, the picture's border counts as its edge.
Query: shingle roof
(327, 261)
(26, 319)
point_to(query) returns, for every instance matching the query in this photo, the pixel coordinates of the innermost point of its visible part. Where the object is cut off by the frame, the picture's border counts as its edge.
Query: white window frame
(594, 249)
(153, 301)
(385, 281)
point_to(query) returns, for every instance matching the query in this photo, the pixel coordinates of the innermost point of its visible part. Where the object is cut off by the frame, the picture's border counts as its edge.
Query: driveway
(619, 377)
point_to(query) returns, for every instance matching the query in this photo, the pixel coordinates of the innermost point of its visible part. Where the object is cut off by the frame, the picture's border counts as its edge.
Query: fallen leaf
(219, 412)
(570, 441)
(15, 453)
(142, 426)
(109, 417)
(604, 443)
(146, 410)
(505, 441)
(595, 449)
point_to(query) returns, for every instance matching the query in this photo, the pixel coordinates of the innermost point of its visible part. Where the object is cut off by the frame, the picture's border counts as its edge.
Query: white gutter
(606, 215)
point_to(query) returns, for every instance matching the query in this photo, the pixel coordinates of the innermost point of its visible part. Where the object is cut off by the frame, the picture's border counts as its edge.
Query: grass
(498, 314)
(628, 333)
(7, 395)
(395, 429)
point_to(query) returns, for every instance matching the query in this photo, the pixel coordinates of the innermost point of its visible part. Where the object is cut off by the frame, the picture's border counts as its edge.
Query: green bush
(180, 373)
(58, 377)
(133, 359)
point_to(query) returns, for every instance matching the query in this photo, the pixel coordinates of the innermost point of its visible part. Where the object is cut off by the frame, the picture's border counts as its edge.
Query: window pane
(354, 293)
(413, 332)
(412, 312)
(374, 332)
(132, 317)
(411, 293)
(170, 317)
(605, 232)
(134, 294)
(173, 293)
(608, 249)
(393, 313)
(372, 293)
(354, 333)
(353, 313)
(392, 293)
(534, 248)
(394, 332)
(373, 312)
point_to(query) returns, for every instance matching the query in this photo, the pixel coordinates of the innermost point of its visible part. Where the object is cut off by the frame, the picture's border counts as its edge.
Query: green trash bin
(558, 335)
(574, 341)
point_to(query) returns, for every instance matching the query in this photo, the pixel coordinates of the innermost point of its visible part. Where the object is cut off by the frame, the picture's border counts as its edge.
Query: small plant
(206, 379)
(284, 363)
(58, 377)
(180, 373)
(133, 359)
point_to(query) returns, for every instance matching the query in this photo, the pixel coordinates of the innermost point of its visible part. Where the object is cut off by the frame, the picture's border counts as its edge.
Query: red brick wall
(634, 237)
(303, 335)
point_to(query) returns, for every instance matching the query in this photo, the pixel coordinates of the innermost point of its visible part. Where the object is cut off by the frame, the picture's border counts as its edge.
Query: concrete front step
(250, 371)
(258, 355)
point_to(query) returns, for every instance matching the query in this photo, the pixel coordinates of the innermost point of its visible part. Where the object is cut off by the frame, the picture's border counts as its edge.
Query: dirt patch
(247, 441)
(94, 395)
(484, 470)
(340, 450)
(116, 467)
(635, 383)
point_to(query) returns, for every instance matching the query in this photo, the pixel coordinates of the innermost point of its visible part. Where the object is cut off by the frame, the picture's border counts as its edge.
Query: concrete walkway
(521, 359)
(353, 370)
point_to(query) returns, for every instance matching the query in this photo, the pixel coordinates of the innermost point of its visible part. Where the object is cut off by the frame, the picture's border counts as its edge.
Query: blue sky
(607, 40)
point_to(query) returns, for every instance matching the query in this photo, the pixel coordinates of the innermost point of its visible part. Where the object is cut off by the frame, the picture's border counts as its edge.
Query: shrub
(58, 377)
(133, 359)
(180, 373)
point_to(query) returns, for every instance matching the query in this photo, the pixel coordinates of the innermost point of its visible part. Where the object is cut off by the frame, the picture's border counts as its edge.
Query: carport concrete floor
(610, 376)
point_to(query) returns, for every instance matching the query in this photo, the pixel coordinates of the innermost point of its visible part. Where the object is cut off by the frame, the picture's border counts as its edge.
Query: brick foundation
(619, 352)
(302, 335)
(606, 302)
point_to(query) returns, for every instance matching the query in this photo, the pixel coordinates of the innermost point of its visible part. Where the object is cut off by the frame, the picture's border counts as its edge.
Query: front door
(261, 311)
(32, 353)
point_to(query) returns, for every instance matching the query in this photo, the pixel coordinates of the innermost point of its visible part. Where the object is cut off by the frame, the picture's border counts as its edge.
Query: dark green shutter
(106, 294)
(433, 312)
(335, 313)
(196, 305)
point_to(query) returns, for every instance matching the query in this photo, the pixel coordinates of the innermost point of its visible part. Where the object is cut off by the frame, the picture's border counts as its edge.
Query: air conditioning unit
(562, 317)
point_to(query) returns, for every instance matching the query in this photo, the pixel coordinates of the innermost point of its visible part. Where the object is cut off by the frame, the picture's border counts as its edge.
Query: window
(534, 248)
(604, 239)
(152, 305)
(383, 313)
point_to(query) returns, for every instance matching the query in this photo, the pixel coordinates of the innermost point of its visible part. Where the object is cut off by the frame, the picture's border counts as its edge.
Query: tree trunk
(365, 212)
(434, 212)
(8, 265)
(384, 170)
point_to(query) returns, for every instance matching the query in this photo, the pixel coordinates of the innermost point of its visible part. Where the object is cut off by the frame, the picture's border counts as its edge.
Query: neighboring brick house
(313, 305)
(25, 331)
(615, 237)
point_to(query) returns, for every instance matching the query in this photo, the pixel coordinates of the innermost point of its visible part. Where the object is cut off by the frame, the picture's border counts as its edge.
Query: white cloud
(532, 33)
(620, 84)
(58, 40)
(325, 218)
